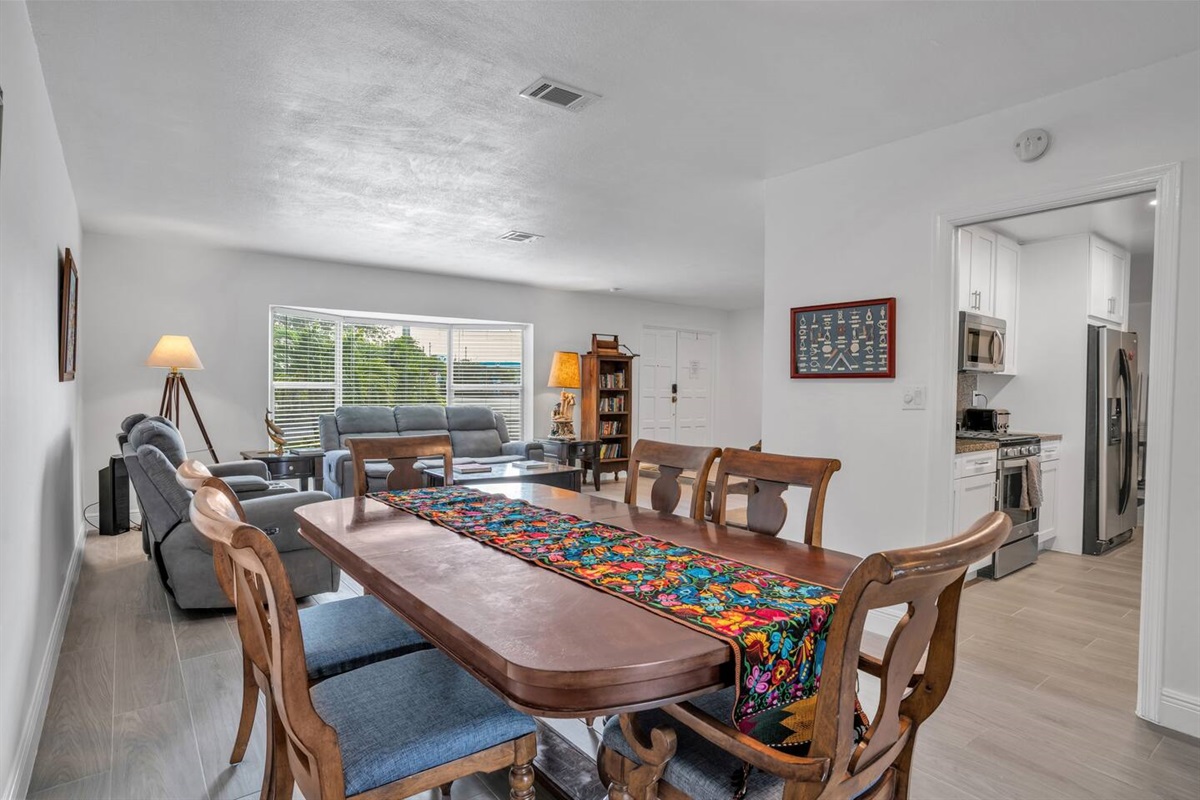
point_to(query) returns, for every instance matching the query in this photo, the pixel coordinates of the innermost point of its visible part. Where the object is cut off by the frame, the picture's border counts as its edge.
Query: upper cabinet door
(966, 301)
(1119, 283)
(982, 276)
(1006, 291)
(1108, 277)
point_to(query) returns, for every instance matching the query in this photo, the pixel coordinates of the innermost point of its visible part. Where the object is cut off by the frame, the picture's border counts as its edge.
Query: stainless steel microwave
(980, 343)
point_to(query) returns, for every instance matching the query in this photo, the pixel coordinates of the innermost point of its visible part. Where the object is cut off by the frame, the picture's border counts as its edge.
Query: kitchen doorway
(1152, 702)
(676, 385)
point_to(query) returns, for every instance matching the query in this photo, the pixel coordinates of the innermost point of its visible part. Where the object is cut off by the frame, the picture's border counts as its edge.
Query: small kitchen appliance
(1110, 452)
(980, 343)
(985, 419)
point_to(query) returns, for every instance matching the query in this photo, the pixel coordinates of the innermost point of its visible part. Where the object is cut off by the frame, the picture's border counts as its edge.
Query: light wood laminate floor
(145, 697)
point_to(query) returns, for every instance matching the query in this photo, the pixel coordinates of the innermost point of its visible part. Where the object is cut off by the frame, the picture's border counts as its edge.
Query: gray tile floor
(146, 696)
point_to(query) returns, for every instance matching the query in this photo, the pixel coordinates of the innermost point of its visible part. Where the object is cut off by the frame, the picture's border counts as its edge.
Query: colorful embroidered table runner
(776, 624)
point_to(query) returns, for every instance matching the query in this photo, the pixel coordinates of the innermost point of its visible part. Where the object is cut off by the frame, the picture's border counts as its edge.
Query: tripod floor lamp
(177, 353)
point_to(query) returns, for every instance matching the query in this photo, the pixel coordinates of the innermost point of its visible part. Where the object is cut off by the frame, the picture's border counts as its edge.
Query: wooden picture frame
(68, 314)
(844, 340)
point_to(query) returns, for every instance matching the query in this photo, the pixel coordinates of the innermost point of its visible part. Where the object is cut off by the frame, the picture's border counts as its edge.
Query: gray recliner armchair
(183, 556)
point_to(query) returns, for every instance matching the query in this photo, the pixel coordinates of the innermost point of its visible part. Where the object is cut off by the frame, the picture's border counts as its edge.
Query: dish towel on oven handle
(1031, 484)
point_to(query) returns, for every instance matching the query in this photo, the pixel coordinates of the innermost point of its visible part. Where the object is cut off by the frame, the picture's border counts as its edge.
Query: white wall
(865, 226)
(141, 288)
(39, 473)
(739, 390)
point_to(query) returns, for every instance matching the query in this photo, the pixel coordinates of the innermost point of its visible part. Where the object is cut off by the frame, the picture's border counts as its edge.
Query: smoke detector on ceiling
(520, 236)
(559, 94)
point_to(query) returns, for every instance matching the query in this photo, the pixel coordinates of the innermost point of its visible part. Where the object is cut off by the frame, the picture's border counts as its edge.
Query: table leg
(304, 484)
(596, 475)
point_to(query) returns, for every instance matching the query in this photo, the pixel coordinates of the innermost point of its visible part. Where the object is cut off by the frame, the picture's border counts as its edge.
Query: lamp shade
(564, 371)
(174, 352)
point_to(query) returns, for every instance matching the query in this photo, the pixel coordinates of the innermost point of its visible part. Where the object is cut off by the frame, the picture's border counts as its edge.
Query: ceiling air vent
(559, 94)
(520, 236)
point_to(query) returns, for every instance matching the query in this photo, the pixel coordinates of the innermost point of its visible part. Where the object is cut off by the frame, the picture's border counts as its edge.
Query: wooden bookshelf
(606, 409)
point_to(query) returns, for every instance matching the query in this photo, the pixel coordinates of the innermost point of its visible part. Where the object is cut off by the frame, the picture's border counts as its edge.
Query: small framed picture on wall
(845, 340)
(68, 312)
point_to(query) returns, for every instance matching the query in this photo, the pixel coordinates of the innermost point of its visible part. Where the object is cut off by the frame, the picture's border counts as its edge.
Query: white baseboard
(1179, 712)
(31, 730)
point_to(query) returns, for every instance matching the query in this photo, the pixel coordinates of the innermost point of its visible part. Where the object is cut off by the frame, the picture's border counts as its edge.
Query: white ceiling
(392, 133)
(1126, 221)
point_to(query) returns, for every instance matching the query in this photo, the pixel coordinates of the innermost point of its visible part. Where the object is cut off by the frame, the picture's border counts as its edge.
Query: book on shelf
(610, 427)
(610, 451)
(612, 380)
(612, 405)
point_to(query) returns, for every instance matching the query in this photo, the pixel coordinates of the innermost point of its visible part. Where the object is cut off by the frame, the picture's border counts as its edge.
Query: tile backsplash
(968, 382)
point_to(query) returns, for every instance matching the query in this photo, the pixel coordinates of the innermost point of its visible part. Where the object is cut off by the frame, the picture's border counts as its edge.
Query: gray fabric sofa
(477, 434)
(152, 451)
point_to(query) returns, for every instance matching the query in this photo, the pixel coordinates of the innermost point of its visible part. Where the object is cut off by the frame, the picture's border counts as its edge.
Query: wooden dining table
(547, 644)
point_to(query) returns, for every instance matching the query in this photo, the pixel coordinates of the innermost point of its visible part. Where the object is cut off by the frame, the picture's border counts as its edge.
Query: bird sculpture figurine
(275, 433)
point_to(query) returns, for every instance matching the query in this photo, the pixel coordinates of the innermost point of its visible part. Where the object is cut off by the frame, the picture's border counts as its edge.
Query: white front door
(656, 409)
(693, 374)
(676, 386)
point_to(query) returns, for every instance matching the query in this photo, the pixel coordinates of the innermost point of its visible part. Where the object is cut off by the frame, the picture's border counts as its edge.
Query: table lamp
(177, 353)
(564, 374)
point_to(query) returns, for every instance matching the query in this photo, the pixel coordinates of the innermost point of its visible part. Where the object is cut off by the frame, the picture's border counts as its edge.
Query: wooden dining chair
(643, 757)
(769, 476)
(671, 460)
(390, 729)
(402, 452)
(338, 636)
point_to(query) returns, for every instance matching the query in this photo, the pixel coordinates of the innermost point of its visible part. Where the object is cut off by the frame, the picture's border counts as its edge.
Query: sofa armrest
(530, 450)
(275, 515)
(227, 469)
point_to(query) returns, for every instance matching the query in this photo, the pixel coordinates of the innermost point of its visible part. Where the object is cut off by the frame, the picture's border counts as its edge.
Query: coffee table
(559, 475)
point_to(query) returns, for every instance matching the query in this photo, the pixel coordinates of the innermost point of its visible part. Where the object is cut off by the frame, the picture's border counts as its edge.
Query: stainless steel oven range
(1021, 547)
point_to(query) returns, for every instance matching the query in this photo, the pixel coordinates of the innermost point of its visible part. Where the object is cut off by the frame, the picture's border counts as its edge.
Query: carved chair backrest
(928, 581)
(769, 476)
(229, 505)
(671, 460)
(402, 453)
(264, 598)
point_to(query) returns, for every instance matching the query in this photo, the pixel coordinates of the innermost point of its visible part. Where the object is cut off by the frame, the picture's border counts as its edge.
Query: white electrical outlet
(913, 398)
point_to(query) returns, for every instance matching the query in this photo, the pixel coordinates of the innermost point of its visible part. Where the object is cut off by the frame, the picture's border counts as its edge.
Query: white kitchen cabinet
(1108, 283)
(974, 496)
(1048, 513)
(989, 269)
(976, 270)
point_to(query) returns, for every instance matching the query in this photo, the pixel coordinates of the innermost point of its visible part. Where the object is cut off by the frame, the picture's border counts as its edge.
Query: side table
(298, 464)
(576, 452)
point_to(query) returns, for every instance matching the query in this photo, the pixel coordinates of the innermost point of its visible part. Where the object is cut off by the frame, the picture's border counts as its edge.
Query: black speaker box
(114, 497)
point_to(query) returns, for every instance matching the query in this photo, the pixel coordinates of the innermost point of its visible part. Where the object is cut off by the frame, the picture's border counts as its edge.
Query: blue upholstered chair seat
(699, 768)
(348, 634)
(400, 717)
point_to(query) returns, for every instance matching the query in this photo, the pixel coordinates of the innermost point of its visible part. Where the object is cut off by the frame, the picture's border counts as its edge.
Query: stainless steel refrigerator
(1110, 447)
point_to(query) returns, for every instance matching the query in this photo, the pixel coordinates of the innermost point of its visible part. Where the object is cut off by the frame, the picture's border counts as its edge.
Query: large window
(320, 361)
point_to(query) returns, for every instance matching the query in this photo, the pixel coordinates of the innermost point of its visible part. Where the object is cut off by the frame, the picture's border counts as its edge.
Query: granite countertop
(1050, 437)
(973, 446)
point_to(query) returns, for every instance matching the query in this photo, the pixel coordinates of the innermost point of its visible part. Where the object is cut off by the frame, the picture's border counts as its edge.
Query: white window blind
(487, 371)
(390, 364)
(320, 361)
(303, 373)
